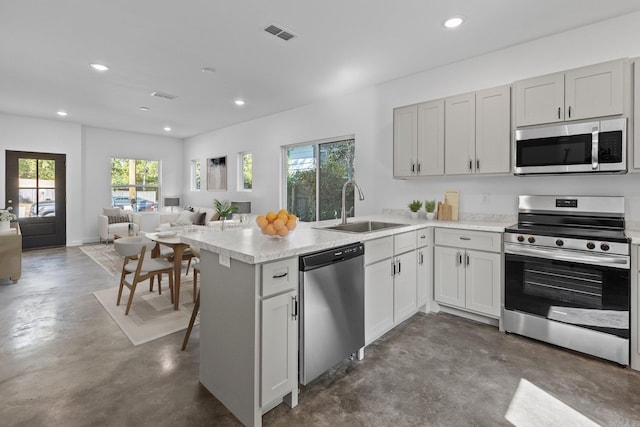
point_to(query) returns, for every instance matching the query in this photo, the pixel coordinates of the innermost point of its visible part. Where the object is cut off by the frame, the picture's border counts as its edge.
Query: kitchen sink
(363, 226)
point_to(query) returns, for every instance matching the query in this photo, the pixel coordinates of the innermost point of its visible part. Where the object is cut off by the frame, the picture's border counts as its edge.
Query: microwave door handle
(594, 148)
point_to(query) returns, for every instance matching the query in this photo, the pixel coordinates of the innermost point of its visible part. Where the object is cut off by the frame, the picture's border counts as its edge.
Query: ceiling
(163, 45)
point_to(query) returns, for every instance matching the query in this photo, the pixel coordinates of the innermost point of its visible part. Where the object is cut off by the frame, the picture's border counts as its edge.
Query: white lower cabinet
(279, 346)
(390, 276)
(466, 278)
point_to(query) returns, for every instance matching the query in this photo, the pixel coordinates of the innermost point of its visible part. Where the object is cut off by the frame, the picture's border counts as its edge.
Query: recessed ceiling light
(144, 108)
(62, 113)
(167, 129)
(239, 101)
(453, 22)
(208, 70)
(99, 67)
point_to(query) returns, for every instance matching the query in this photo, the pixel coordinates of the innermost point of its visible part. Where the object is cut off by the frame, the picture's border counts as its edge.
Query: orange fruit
(269, 230)
(283, 231)
(291, 216)
(283, 212)
(283, 217)
(262, 221)
(279, 224)
(291, 224)
(271, 216)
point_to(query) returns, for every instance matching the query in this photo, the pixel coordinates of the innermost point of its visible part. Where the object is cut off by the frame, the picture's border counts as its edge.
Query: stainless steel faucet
(344, 190)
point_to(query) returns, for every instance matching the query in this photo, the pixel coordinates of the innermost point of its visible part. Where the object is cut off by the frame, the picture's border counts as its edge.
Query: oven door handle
(561, 255)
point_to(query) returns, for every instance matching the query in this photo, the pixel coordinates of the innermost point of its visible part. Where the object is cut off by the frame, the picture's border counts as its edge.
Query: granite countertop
(249, 245)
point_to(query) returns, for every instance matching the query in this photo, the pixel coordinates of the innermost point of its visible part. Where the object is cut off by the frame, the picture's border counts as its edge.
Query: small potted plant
(5, 219)
(224, 209)
(430, 207)
(414, 207)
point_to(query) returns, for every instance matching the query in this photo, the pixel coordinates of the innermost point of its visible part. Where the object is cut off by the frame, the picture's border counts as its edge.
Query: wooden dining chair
(196, 295)
(133, 249)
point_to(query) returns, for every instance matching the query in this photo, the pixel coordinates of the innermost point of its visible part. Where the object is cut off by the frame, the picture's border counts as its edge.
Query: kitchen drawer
(469, 239)
(422, 236)
(378, 249)
(404, 242)
(279, 276)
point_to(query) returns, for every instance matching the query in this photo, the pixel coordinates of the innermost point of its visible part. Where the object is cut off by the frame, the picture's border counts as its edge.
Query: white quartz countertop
(634, 235)
(251, 246)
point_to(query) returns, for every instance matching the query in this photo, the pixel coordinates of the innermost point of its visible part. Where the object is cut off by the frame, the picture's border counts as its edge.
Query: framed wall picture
(217, 174)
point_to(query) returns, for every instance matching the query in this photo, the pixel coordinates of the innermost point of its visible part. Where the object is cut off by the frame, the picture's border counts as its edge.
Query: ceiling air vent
(285, 35)
(163, 95)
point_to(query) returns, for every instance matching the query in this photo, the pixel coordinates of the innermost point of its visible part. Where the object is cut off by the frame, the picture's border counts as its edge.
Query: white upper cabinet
(405, 140)
(636, 128)
(430, 138)
(493, 130)
(418, 139)
(478, 132)
(583, 93)
(460, 134)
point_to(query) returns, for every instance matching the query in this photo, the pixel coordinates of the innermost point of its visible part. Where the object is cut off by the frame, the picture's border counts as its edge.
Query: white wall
(88, 153)
(368, 115)
(100, 145)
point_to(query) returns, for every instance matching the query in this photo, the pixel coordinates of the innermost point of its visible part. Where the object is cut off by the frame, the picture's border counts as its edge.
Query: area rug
(151, 315)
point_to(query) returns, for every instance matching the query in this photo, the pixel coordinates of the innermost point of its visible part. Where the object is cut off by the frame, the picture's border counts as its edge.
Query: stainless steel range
(567, 278)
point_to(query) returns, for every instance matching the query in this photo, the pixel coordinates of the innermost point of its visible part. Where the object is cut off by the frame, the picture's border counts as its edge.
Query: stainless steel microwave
(595, 146)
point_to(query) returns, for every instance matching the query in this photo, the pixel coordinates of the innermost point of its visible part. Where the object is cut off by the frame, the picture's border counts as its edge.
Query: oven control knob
(591, 245)
(520, 238)
(559, 242)
(604, 247)
(531, 239)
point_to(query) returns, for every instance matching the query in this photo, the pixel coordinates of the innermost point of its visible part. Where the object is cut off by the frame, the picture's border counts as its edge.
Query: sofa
(115, 221)
(11, 253)
(190, 215)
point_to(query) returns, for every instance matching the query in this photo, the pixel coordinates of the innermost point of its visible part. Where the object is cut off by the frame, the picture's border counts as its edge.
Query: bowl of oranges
(277, 225)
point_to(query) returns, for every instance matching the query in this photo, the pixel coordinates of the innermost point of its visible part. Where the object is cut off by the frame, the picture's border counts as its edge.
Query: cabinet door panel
(594, 91)
(448, 276)
(378, 300)
(431, 138)
(279, 363)
(405, 139)
(483, 282)
(404, 297)
(540, 100)
(460, 129)
(423, 278)
(493, 130)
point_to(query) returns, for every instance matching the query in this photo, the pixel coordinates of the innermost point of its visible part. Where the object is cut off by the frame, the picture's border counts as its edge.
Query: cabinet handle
(470, 165)
(421, 258)
(558, 112)
(393, 268)
(399, 266)
(280, 276)
(477, 165)
(459, 258)
(413, 167)
(419, 167)
(569, 111)
(467, 256)
(294, 309)
(465, 238)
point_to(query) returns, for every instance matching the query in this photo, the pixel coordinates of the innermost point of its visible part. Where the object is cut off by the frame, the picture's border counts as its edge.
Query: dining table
(172, 240)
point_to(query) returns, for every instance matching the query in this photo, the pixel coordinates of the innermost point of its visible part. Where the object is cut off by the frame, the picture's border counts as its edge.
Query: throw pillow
(111, 211)
(197, 218)
(116, 219)
(184, 218)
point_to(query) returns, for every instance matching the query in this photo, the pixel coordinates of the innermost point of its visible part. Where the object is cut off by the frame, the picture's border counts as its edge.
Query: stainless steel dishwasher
(331, 309)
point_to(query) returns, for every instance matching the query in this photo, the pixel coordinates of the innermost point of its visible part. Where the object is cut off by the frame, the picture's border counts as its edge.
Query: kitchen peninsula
(248, 320)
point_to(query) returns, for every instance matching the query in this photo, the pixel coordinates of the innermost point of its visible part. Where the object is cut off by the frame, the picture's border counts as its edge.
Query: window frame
(316, 143)
(241, 156)
(195, 172)
(138, 187)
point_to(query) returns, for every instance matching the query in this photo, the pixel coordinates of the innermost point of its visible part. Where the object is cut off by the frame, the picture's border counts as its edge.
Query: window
(245, 172)
(135, 184)
(37, 187)
(315, 174)
(195, 175)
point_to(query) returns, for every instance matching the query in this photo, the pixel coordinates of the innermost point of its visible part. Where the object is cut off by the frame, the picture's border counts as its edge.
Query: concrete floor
(64, 362)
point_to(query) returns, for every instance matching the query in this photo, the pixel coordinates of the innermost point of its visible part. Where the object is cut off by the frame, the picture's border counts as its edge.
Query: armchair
(11, 254)
(115, 221)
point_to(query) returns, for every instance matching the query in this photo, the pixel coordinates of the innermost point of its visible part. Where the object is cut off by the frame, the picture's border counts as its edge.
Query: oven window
(565, 150)
(590, 296)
